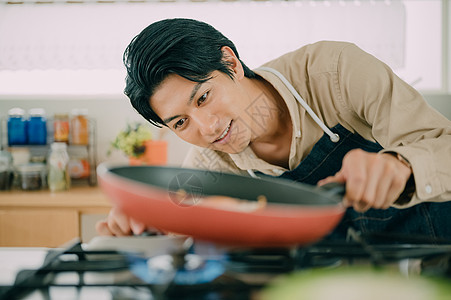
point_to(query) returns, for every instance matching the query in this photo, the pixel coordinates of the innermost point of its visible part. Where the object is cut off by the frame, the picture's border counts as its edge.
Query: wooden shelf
(45, 219)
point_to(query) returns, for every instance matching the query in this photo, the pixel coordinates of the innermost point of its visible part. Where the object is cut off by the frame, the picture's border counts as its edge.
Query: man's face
(214, 114)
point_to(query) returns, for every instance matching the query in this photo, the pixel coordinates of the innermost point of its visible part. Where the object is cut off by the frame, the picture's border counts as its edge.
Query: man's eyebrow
(191, 98)
(194, 91)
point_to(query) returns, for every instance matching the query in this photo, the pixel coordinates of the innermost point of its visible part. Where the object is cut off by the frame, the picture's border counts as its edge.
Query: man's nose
(207, 122)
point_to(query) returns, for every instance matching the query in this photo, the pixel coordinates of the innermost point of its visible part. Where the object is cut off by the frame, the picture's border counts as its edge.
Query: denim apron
(427, 220)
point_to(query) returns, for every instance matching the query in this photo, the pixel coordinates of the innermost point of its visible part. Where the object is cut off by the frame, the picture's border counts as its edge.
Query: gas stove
(201, 270)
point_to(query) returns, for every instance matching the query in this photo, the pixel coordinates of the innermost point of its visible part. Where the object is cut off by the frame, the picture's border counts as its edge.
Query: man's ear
(233, 62)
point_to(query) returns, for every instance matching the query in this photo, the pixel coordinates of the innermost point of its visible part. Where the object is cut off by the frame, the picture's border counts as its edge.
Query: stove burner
(180, 269)
(230, 274)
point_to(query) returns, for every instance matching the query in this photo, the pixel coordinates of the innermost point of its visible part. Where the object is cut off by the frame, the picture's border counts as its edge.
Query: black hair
(186, 47)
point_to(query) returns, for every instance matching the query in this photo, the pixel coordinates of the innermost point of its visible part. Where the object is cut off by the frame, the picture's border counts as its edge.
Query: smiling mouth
(224, 134)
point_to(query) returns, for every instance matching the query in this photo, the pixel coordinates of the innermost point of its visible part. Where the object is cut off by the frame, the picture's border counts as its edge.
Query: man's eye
(179, 123)
(202, 99)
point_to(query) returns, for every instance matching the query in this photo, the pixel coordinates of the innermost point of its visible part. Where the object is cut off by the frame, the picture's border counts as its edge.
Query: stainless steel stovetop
(162, 267)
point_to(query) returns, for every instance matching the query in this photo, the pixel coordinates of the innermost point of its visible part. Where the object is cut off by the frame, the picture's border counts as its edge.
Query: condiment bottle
(79, 129)
(37, 127)
(17, 127)
(61, 128)
(58, 177)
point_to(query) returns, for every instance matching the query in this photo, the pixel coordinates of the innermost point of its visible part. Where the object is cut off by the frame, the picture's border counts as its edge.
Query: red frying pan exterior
(274, 226)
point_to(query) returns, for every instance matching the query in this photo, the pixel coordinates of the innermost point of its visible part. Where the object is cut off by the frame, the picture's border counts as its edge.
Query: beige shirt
(343, 84)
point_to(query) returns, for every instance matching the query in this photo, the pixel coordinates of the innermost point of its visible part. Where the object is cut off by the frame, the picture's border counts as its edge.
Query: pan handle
(334, 190)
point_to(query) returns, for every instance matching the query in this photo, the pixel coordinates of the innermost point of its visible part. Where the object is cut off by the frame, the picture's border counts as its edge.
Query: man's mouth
(223, 136)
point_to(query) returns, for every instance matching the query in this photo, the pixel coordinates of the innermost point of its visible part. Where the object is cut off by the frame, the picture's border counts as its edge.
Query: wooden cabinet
(44, 219)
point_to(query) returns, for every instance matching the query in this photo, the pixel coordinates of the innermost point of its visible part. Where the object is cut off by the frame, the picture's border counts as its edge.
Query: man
(327, 112)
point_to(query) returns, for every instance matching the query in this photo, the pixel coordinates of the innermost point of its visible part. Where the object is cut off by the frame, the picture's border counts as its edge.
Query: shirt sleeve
(401, 121)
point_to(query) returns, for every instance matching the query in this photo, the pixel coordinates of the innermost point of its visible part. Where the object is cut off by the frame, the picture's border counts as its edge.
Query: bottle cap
(58, 146)
(31, 168)
(16, 111)
(61, 116)
(36, 112)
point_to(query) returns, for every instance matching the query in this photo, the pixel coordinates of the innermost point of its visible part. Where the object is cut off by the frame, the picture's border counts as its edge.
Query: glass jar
(37, 127)
(61, 128)
(58, 161)
(31, 176)
(20, 155)
(79, 128)
(17, 127)
(6, 173)
(79, 167)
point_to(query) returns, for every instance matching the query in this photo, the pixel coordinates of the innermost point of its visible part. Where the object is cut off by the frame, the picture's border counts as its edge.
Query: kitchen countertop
(83, 197)
(14, 259)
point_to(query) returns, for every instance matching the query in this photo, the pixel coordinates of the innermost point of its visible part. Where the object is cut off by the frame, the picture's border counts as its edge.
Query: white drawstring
(333, 136)
(251, 172)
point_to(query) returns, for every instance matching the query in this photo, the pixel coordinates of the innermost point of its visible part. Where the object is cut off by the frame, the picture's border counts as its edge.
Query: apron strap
(333, 136)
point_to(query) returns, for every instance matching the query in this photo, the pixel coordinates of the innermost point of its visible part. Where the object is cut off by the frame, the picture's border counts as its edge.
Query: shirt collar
(247, 160)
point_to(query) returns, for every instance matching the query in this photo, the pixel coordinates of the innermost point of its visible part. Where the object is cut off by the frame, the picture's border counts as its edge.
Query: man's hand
(118, 224)
(372, 180)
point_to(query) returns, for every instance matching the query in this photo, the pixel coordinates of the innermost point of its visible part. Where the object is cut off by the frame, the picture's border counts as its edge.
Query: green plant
(131, 140)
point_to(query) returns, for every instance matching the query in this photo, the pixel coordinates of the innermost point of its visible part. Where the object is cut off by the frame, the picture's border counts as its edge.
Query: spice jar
(31, 176)
(37, 127)
(79, 130)
(17, 127)
(58, 178)
(20, 155)
(61, 128)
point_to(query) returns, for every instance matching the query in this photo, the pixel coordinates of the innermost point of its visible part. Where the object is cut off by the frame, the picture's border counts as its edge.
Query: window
(76, 49)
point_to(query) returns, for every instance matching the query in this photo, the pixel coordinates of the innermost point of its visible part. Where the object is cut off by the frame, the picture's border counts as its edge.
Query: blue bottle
(17, 127)
(37, 127)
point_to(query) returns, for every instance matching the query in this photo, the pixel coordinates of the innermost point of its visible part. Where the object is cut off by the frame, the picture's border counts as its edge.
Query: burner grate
(235, 274)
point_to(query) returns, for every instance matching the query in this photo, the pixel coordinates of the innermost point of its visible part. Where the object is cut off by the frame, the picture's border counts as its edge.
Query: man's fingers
(393, 181)
(361, 206)
(137, 227)
(338, 177)
(384, 192)
(115, 228)
(372, 179)
(356, 175)
(393, 193)
(118, 222)
(103, 229)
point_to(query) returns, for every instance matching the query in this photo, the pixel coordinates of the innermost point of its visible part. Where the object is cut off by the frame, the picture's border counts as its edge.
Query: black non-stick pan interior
(211, 183)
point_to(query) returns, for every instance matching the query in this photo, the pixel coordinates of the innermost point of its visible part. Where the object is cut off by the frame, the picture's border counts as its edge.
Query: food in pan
(234, 204)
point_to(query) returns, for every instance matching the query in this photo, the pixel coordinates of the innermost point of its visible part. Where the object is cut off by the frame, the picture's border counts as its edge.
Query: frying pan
(170, 199)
